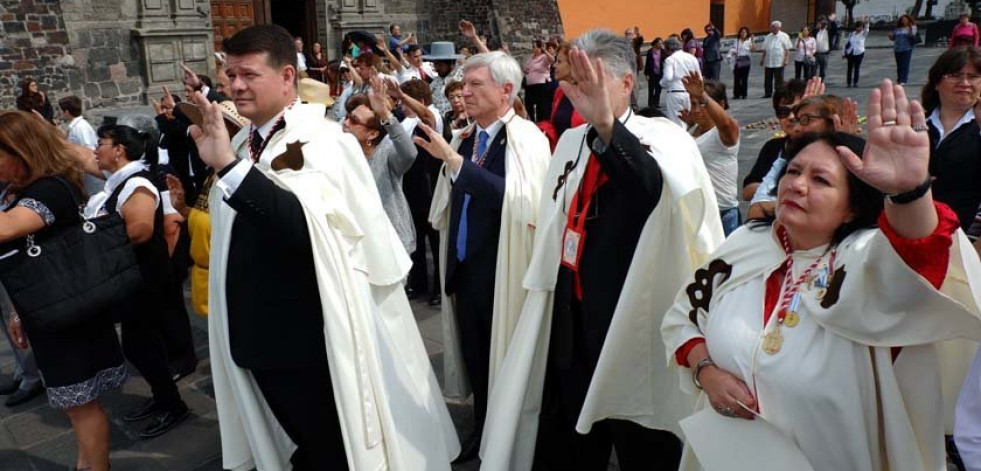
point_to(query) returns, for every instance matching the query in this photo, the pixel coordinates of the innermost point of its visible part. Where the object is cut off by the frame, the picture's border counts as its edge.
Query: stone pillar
(171, 32)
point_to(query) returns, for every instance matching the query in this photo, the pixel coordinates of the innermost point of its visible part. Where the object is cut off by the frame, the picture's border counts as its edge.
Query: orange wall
(659, 17)
(753, 14)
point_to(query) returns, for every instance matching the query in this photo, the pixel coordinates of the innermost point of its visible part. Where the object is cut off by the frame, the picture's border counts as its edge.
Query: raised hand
(378, 98)
(438, 147)
(896, 156)
(467, 29)
(814, 87)
(211, 137)
(176, 189)
(587, 92)
(190, 78)
(694, 84)
(848, 121)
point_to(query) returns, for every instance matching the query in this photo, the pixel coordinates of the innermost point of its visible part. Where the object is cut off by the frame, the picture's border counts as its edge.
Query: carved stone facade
(113, 53)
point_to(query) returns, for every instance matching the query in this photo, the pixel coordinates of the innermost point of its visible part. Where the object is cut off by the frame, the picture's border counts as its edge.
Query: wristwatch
(389, 121)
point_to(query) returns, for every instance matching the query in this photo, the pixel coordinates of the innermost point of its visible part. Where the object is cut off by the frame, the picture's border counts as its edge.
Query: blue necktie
(461, 235)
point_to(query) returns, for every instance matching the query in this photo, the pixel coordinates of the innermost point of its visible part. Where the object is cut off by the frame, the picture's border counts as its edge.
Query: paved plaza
(35, 437)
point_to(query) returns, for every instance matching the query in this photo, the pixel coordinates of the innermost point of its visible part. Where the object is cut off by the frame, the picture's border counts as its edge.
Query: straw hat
(315, 91)
(233, 121)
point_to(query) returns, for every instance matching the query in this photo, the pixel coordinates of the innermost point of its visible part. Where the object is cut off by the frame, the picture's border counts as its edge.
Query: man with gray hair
(485, 207)
(678, 65)
(623, 194)
(776, 51)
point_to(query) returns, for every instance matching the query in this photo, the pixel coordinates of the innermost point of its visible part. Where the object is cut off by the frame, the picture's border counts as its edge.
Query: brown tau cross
(291, 159)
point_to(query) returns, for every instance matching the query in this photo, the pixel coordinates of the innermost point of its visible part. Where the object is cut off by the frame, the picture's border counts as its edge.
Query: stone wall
(33, 43)
(514, 22)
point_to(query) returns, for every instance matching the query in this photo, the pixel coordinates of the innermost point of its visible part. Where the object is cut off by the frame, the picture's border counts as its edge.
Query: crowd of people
(585, 253)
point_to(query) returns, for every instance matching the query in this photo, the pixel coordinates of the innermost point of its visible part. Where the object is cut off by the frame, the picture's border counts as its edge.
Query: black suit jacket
(486, 188)
(275, 318)
(616, 218)
(183, 154)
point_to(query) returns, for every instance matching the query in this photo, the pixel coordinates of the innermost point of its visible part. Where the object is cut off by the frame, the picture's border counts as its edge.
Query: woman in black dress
(81, 362)
(131, 193)
(32, 99)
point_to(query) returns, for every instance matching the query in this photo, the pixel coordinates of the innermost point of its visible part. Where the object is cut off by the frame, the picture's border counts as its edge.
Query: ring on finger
(920, 127)
(891, 122)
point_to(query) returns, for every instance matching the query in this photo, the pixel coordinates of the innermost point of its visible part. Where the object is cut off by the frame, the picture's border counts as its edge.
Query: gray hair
(776, 23)
(616, 52)
(672, 44)
(502, 67)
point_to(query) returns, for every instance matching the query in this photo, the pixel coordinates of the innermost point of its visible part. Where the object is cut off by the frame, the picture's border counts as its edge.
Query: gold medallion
(772, 342)
(791, 320)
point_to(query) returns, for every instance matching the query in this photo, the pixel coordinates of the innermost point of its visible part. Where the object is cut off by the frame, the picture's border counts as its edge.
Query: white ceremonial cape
(388, 400)
(630, 381)
(833, 387)
(525, 164)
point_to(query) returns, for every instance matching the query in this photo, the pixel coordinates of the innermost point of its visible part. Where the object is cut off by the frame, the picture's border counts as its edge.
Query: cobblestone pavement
(35, 437)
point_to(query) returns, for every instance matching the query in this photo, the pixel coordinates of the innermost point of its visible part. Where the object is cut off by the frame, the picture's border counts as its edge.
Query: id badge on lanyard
(572, 243)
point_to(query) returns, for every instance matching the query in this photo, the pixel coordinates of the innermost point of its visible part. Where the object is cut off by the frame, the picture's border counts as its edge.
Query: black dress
(79, 363)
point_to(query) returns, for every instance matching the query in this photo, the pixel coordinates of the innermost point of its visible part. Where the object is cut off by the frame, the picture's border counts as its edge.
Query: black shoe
(21, 396)
(411, 293)
(470, 447)
(165, 420)
(144, 411)
(436, 300)
(9, 386)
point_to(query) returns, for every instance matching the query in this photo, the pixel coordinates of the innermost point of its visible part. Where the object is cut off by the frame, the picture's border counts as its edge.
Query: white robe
(833, 387)
(391, 413)
(526, 160)
(630, 381)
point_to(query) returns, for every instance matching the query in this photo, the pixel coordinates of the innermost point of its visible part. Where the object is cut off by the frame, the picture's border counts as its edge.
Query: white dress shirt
(776, 47)
(677, 66)
(80, 132)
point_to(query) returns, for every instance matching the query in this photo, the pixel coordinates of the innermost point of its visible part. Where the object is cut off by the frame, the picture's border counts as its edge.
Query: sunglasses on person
(783, 111)
(805, 119)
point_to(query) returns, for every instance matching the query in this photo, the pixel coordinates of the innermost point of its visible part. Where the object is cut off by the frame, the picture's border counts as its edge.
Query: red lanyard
(254, 154)
(791, 287)
(575, 231)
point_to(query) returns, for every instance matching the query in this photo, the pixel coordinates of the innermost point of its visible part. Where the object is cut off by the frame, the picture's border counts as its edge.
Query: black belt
(677, 91)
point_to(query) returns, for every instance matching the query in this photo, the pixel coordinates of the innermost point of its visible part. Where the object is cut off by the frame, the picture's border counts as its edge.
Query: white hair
(615, 51)
(776, 23)
(502, 67)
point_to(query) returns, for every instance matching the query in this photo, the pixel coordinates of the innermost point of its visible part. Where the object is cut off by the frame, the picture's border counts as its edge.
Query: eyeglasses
(957, 78)
(805, 119)
(783, 111)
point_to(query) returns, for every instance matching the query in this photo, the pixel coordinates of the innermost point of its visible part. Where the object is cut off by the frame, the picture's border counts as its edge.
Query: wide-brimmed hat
(233, 121)
(315, 91)
(442, 51)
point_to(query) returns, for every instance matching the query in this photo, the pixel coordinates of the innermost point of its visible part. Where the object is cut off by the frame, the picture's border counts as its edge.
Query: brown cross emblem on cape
(291, 159)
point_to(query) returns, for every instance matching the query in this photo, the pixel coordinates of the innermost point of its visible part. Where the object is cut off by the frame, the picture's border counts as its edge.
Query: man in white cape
(316, 358)
(627, 212)
(485, 208)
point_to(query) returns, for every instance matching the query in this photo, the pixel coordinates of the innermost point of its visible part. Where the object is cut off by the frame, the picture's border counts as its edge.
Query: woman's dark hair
(950, 62)
(739, 34)
(656, 41)
(374, 123)
(717, 91)
(538, 43)
(137, 144)
(418, 90)
(864, 200)
(899, 21)
(686, 34)
(452, 87)
(274, 40)
(28, 100)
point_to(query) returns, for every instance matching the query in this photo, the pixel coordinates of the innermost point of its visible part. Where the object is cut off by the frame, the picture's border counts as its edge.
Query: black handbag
(79, 273)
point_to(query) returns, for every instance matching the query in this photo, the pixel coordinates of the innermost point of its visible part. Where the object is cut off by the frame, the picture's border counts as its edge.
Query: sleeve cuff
(681, 355)
(930, 255)
(232, 176)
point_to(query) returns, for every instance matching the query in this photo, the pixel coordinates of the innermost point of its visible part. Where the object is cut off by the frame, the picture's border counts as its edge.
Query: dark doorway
(297, 16)
(717, 15)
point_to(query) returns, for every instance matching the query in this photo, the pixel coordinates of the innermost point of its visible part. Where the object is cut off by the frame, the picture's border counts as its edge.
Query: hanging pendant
(772, 342)
(792, 319)
(821, 293)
